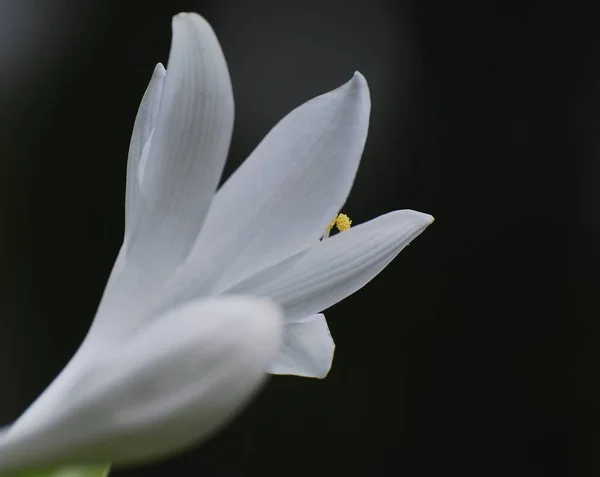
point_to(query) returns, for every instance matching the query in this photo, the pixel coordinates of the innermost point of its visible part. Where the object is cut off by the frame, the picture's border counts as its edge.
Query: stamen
(341, 222)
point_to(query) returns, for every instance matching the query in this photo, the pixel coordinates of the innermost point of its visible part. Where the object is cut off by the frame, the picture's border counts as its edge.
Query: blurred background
(476, 352)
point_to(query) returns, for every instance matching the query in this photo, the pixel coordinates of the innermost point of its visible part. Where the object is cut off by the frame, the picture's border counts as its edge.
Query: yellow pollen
(342, 222)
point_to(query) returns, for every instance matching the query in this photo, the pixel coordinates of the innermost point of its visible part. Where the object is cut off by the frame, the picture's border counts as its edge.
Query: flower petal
(306, 350)
(189, 146)
(338, 266)
(142, 128)
(283, 196)
(173, 384)
(138, 153)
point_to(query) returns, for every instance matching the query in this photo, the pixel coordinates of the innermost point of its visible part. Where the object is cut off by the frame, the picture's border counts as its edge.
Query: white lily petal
(171, 385)
(179, 170)
(306, 350)
(189, 146)
(144, 159)
(282, 197)
(142, 128)
(268, 273)
(340, 265)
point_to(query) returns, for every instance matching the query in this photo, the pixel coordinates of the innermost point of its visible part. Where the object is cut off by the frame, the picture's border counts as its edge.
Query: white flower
(187, 325)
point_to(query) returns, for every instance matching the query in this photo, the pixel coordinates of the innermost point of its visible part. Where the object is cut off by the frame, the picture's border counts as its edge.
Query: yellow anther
(342, 222)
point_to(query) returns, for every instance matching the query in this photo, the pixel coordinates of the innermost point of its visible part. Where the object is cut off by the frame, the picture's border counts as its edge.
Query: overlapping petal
(281, 198)
(182, 147)
(340, 265)
(306, 350)
(142, 129)
(189, 146)
(171, 385)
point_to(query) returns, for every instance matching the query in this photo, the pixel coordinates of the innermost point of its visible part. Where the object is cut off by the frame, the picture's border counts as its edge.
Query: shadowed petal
(170, 386)
(307, 349)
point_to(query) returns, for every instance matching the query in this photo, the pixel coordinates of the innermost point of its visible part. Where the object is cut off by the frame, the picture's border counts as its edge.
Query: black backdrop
(474, 353)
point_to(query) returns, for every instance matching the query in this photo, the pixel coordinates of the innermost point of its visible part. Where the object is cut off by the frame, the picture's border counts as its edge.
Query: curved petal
(171, 385)
(283, 196)
(183, 163)
(138, 152)
(338, 266)
(189, 146)
(142, 128)
(306, 350)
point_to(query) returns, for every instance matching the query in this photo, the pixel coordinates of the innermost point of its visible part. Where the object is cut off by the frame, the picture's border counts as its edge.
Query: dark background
(475, 353)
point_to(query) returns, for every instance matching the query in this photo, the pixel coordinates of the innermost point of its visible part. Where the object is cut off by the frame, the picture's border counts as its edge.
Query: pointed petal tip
(405, 225)
(418, 218)
(159, 72)
(185, 15)
(191, 18)
(411, 223)
(358, 84)
(426, 218)
(359, 78)
(357, 91)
